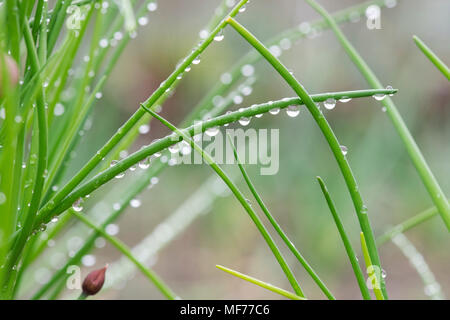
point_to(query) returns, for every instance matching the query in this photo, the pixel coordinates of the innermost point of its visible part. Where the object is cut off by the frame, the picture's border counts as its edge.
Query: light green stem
(260, 283)
(361, 209)
(428, 179)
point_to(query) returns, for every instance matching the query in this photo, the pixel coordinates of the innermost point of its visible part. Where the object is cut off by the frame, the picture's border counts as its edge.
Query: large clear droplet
(390, 88)
(77, 205)
(274, 111)
(219, 37)
(135, 203)
(212, 131)
(345, 99)
(244, 121)
(330, 103)
(120, 175)
(344, 150)
(293, 111)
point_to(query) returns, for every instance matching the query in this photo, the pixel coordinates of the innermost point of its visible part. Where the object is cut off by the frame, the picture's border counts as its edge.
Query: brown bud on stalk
(12, 71)
(94, 281)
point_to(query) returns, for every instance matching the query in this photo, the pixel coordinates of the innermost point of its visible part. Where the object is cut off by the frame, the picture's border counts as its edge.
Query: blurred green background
(388, 182)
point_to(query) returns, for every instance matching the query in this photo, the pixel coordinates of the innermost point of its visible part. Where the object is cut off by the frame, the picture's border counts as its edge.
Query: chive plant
(54, 63)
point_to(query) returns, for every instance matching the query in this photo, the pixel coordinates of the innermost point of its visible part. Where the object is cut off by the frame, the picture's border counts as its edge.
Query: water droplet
(59, 109)
(237, 99)
(120, 175)
(247, 70)
(293, 111)
(242, 9)
(143, 21)
(103, 43)
(143, 129)
(196, 60)
(373, 12)
(54, 219)
(219, 36)
(330, 103)
(135, 203)
(379, 96)
(88, 260)
(226, 78)
(344, 150)
(174, 148)
(144, 164)
(383, 274)
(77, 205)
(185, 148)
(345, 99)
(244, 121)
(152, 6)
(203, 34)
(390, 88)
(274, 111)
(112, 229)
(98, 95)
(275, 50)
(364, 210)
(212, 131)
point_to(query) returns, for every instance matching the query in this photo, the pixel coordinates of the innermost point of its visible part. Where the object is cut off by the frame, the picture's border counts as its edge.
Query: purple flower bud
(94, 281)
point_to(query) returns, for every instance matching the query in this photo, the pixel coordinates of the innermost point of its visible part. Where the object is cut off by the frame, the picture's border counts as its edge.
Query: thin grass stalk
(438, 63)
(163, 143)
(370, 269)
(425, 173)
(279, 230)
(408, 224)
(361, 209)
(345, 240)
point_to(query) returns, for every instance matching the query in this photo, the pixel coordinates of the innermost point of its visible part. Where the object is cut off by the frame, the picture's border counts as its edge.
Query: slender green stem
(432, 57)
(361, 209)
(152, 276)
(371, 270)
(345, 240)
(428, 179)
(408, 224)
(240, 197)
(260, 283)
(279, 230)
